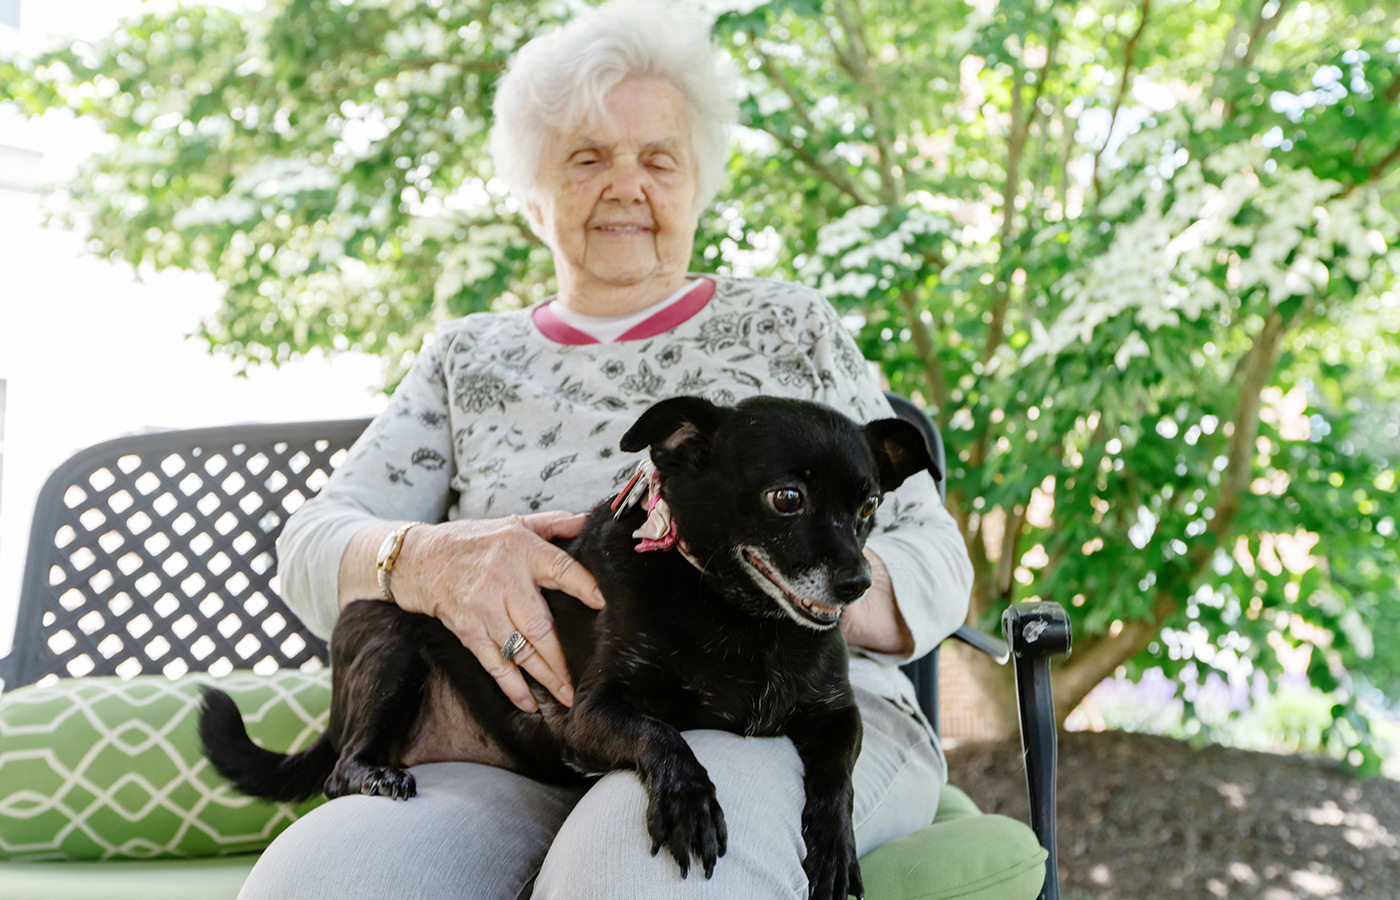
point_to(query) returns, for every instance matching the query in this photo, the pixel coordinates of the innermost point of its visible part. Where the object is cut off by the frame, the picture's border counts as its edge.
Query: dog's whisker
(711, 558)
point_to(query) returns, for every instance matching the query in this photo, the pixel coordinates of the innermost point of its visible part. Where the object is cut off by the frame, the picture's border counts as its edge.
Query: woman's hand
(482, 579)
(875, 623)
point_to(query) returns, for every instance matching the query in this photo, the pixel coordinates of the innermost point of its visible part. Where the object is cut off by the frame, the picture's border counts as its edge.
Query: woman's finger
(543, 655)
(554, 524)
(557, 570)
(487, 642)
(508, 677)
(530, 660)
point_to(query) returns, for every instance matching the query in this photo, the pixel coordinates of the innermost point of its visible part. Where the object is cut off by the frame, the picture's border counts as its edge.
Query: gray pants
(488, 834)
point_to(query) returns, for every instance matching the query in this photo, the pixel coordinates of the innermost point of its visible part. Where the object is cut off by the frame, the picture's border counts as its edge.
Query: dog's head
(775, 498)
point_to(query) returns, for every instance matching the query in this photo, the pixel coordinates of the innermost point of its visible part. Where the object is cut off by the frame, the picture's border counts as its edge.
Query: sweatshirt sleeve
(401, 468)
(915, 537)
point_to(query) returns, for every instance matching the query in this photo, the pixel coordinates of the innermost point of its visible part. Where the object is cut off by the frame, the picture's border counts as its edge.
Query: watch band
(389, 555)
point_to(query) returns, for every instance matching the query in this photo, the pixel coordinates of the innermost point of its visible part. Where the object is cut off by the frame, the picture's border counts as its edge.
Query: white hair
(560, 81)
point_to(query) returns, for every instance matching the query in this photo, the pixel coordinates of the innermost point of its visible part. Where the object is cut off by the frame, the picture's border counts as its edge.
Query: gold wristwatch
(389, 554)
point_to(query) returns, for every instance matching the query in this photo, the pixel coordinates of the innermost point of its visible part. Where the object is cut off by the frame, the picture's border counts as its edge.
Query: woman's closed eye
(586, 159)
(662, 162)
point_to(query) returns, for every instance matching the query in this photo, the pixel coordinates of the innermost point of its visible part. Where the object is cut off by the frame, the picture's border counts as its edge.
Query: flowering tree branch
(1129, 55)
(792, 144)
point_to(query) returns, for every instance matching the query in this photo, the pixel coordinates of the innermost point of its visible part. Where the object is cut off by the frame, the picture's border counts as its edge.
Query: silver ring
(513, 645)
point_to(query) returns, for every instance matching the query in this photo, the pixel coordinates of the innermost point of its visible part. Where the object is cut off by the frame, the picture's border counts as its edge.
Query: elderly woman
(613, 132)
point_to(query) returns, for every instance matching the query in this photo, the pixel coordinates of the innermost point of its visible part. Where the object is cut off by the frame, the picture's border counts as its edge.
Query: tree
(1136, 257)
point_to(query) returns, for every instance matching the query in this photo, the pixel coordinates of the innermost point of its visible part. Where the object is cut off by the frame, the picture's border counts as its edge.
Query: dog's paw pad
(833, 869)
(397, 784)
(833, 874)
(373, 781)
(686, 819)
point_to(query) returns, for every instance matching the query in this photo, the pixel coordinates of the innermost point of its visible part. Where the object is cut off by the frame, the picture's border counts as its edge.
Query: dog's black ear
(677, 430)
(900, 451)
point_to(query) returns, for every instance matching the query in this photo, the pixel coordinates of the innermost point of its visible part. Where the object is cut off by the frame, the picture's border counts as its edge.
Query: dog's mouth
(804, 609)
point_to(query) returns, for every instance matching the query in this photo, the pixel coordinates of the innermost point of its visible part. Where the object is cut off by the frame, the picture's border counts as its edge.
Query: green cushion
(211, 878)
(963, 854)
(101, 768)
(953, 803)
(111, 770)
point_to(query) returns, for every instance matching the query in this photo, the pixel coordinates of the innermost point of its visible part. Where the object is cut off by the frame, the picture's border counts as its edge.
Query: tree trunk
(993, 689)
(1098, 656)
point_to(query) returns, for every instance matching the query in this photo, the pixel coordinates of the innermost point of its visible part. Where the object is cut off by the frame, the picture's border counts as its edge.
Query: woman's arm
(920, 567)
(875, 622)
(481, 578)
(400, 469)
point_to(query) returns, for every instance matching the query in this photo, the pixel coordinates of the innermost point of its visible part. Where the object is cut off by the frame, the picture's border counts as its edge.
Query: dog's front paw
(684, 816)
(350, 777)
(833, 871)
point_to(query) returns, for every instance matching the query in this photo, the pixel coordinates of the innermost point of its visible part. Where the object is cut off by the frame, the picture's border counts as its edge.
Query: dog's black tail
(253, 770)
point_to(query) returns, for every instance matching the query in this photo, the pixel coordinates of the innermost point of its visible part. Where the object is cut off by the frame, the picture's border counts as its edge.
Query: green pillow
(963, 855)
(102, 768)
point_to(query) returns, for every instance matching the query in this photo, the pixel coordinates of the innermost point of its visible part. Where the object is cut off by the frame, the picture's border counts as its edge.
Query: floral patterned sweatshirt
(501, 414)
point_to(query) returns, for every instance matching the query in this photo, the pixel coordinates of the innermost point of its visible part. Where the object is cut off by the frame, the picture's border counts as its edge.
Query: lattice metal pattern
(155, 553)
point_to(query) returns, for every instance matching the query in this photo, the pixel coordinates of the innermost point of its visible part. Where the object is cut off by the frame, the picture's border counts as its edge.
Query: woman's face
(617, 201)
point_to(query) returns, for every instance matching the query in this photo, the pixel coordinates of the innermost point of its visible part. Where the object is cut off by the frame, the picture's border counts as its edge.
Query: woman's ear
(534, 216)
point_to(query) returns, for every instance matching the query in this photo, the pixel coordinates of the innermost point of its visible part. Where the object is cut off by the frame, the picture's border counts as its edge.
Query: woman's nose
(626, 185)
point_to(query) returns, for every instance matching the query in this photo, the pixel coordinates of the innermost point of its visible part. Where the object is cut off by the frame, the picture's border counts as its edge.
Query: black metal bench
(154, 553)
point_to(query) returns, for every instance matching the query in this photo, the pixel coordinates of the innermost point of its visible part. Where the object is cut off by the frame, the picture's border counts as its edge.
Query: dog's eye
(787, 501)
(868, 508)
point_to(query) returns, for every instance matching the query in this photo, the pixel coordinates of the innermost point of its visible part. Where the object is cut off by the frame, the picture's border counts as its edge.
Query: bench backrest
(154, 553)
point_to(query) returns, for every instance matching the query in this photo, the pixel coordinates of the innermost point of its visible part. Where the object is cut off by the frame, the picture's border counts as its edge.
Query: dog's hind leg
(379, 675)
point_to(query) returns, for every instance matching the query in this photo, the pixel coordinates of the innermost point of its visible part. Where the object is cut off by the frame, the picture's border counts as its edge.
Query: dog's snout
(850, 583)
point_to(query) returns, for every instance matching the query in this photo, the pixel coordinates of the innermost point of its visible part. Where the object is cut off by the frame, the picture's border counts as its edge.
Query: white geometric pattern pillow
(101, 768)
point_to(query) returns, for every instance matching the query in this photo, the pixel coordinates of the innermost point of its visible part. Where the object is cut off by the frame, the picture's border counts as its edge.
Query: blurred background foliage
(1138, 258)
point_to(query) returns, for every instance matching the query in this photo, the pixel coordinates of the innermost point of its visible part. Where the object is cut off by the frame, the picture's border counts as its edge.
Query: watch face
(386, 548)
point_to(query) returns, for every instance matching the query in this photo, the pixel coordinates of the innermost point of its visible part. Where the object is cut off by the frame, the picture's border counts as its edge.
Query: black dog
(735, 629)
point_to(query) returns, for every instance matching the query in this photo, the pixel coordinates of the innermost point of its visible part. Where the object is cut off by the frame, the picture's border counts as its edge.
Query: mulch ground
(1147, 818)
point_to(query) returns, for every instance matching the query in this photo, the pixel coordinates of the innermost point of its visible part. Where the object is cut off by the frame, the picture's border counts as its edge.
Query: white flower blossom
(281, 177)
(414, 38)
(848, 231)
(1134, 346)
(1154, 265)
(228, 209)
(851, 284)
(888, 248)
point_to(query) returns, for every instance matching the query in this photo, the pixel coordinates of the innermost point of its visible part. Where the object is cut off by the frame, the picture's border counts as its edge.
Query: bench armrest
(1037, 632)
(1034, 633)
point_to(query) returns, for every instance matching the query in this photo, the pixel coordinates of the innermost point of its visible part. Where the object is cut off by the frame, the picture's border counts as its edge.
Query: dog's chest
(696, 661)
(754, 696)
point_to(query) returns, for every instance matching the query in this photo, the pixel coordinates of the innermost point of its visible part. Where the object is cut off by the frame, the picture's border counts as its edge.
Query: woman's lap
(470, 825)
(490, 831)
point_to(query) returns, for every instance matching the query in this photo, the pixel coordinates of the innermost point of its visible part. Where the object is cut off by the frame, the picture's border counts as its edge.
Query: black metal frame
(155, 547)
(122, 526)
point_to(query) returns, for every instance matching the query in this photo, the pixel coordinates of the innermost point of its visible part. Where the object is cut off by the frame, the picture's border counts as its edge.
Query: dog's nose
(850, 583)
